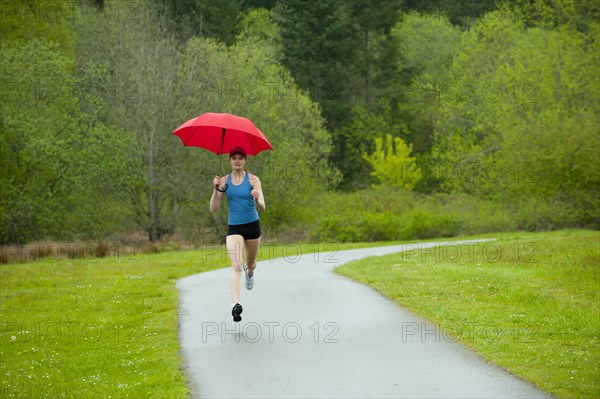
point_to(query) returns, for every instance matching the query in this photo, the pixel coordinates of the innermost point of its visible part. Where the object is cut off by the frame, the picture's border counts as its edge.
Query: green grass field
(527, 302)
(102, 327)
(107, 327)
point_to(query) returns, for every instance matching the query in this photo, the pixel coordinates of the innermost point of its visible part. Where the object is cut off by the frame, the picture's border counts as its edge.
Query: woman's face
(237, 162)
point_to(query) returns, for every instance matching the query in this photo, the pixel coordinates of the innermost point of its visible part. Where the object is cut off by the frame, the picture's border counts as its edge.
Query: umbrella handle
(225, 187)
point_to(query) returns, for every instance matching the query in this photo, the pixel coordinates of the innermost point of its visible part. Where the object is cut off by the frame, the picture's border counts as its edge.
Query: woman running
(245, 198)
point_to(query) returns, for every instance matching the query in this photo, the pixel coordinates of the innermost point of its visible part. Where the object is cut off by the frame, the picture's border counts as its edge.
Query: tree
(526, 133)
(258, 26)
(392, 163)
(246, 79)
(373, 19)
(462, 13)
(578, 15)
(57, 164)
(467, 136)
(356, 138)
(218, 20)
(141, 59)
(319, 50)
(168, 84)
(37, 19)
(428, 44)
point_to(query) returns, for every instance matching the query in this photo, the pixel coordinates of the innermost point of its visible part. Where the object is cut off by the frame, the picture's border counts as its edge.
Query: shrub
(390, 214)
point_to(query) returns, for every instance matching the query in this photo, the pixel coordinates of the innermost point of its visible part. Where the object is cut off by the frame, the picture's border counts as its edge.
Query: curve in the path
(309, 333)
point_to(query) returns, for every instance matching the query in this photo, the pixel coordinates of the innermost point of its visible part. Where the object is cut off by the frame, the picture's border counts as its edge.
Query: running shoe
(236, 312)
(249, 280)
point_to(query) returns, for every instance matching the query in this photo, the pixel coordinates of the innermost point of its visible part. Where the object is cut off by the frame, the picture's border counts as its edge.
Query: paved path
(309, 333)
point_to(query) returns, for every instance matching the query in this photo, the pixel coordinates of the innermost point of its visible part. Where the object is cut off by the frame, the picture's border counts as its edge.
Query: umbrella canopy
(221, 132)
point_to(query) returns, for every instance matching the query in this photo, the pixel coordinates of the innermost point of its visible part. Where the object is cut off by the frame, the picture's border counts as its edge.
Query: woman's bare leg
(235, 244)
(251, 254)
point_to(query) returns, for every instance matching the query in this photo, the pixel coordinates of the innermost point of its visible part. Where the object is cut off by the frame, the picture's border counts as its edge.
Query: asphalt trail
(309, 333)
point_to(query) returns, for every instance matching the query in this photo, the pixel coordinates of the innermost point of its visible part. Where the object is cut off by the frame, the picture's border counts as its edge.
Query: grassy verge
(102, 327)
(528, 302)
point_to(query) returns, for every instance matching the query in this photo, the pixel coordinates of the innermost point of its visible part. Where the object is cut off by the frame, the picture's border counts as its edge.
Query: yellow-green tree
(392, 163)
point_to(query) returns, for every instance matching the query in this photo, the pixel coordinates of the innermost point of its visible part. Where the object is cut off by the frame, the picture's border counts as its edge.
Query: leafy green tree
(342, 53)
(170, 184)
(392, 163)
(462, 13)
(219, 20)
(141, 59)
(466, 134)
(356, 138)
(525, 133)
(410, 68)
(579, 15)
(258, 26)
(246, 79)
(319, 50)
(549, 124)
(428, 44)
(374, 19)
(57, 164)
(37, 19)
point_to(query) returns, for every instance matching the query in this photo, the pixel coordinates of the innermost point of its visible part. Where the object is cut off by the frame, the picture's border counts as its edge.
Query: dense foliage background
(390, 120)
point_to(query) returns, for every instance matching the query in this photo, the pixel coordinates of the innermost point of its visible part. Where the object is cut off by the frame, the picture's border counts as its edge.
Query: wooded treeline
(413, 118)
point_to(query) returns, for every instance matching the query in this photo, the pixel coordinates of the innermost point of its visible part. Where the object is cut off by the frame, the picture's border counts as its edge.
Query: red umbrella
(220, 133)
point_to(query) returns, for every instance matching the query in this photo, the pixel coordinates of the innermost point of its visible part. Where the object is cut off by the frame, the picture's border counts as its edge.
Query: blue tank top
(242, 208)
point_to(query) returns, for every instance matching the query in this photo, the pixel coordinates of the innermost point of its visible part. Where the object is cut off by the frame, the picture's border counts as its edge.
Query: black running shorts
(250, 231)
